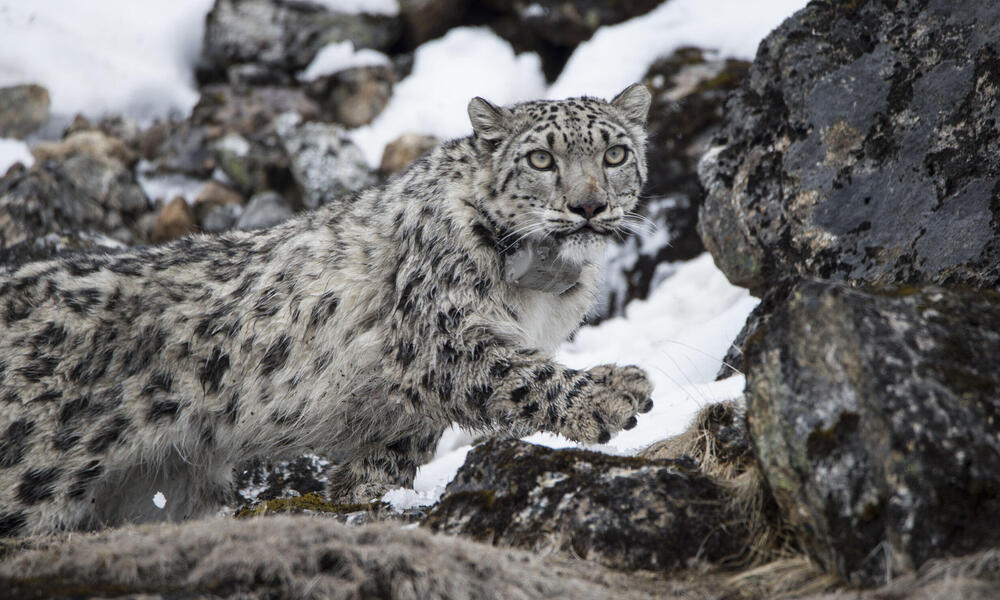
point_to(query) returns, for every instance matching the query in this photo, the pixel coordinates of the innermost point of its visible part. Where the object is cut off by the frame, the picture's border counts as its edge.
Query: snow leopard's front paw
(608, 404)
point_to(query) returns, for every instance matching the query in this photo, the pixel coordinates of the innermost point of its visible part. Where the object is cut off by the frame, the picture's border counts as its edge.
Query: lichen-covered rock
(324, 161)
(23, 109)
(302, 558)
(876, 419)
(255, 164)
(267, 41)
(689, 94)
(865, 147)
(624, 512)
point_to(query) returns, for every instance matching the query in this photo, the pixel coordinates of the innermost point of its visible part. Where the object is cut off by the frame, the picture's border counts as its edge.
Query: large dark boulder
(865, 147)
(876, 420)
(624, 512)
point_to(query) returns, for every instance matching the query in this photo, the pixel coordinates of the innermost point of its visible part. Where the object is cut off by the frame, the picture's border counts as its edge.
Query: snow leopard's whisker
(525, 232)
(529, 228)
(634, 217)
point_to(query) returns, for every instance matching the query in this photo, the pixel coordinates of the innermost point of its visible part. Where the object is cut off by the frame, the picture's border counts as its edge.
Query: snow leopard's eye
(540, 159)
(615, 155)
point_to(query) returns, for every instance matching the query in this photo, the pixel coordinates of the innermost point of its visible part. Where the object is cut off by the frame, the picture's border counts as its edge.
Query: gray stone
(264, 210)
(876, 419)
(23, 109)
(324, 161)
(220, 217)
(865, 147)
(623, 512)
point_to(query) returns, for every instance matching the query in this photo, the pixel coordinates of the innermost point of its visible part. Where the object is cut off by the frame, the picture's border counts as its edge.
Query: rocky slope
(850, 177)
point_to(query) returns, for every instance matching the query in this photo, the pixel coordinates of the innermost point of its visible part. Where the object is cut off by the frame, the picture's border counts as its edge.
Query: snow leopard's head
(564, 171)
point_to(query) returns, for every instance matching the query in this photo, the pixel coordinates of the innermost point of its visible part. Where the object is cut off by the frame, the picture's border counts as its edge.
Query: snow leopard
(361, 330)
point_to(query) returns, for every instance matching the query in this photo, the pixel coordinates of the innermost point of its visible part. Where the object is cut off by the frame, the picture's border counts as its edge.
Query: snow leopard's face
(568, 171)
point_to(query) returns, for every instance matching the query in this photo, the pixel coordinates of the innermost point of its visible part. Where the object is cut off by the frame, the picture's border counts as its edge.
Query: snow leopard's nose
(588, 207)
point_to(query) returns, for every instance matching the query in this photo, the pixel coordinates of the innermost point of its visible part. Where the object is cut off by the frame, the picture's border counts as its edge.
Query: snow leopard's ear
(489, 121)
(633, 102)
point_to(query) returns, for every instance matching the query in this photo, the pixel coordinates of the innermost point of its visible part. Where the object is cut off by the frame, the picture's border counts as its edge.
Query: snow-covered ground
(679, 335)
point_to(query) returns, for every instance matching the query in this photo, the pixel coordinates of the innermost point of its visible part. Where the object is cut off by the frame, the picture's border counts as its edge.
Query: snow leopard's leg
(483, 382)
(377, 468)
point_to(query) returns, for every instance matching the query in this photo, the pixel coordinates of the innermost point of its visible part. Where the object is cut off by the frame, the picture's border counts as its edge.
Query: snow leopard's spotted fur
(360, 330)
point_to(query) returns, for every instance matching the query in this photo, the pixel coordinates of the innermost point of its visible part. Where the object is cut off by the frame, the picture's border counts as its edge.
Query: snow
(161, 189)
(337, 56)
(372, 7)
(447, 73)
(678, 335)
(102, 58)
(14, 151)
(619, 55)
(159, 500)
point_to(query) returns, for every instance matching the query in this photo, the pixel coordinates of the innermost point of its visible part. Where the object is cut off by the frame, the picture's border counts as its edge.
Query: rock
(219, 218)
(88, 192)
(254, 165)
(324, 161)
(553, 28)
(302, 557)
(277, 38)
(689, 94)
(876, 420)
(405, 149)
(179, 147)
(354, 97)
(864, 147)
(95, 144)
(623, 512)
(264, 210)
(246, 111)
(23, 109)
(175, 220)
(424, 20)
(217, 207)
(266, 480)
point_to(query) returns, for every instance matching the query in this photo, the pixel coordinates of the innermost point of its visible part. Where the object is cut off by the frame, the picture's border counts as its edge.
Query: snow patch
(14, 151)
(447, 73)
(619, 55)
(103, 58)
(338, 56)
